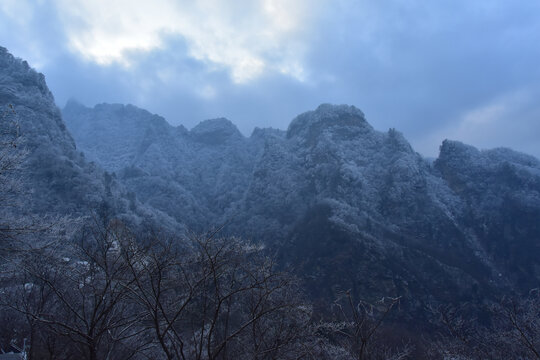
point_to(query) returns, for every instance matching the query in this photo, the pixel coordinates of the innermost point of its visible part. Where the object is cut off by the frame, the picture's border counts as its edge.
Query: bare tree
(111, 295)
(219, 298)
(78, 294)
(511, 330)
(21, 232)
(19, 227)
(519, 324)
(12, 155)
(357, 328)
(460, 334)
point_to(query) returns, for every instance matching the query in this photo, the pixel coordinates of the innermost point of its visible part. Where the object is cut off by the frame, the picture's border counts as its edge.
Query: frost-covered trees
(111, 295)
(219, 298)
(19, 225)
(357, 328)
(76, 297)
(12, 156)
(508, 329)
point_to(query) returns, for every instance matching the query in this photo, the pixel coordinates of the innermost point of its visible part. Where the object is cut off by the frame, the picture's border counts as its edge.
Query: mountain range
(345, 206)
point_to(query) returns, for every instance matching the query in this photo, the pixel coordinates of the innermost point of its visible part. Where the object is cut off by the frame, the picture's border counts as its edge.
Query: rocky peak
(266, 133)
(310, 125)
(56, 177)
(126, 117)
(74, 105)
(466, 159)
(215, 131)
(26, 90)
(17, 71)
(114, 135)
(130, 113)
(452, 151)
(20, 85)
(397, 141)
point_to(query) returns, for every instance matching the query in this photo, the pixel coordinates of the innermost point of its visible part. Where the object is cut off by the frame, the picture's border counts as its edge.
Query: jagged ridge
(349, 206)
(331, 188)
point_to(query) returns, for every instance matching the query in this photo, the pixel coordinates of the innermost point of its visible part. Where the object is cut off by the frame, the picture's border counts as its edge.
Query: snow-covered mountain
(197, 177)
(55, 177)
(59, 176)
(346, 205)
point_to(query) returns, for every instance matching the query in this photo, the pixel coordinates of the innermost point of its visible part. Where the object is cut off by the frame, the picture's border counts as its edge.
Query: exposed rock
(215, 132)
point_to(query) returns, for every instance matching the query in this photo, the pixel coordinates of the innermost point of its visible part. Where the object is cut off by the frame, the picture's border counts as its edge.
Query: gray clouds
(462, 70)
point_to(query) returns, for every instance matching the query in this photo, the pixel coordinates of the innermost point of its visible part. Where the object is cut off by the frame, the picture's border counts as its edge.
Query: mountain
(59, 177)
(56, 178)
(197, 177)
(359, 209)
(347, 206)
(500, 190)
(344, 205)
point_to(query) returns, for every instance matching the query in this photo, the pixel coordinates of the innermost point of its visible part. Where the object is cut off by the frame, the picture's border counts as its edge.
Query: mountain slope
(359, 209)
(56, 178)
(345, 205)
(58, 175)
(501, 192)
(194, 176)
(348, 206)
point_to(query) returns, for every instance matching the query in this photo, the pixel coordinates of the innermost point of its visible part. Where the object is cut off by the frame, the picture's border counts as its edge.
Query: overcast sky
(466, 70)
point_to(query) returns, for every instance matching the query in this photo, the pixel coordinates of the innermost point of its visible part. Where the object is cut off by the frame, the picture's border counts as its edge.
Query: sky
(466, 70)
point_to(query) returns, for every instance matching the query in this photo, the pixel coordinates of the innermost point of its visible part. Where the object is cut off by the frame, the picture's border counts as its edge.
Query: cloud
(421, 66)
(511, 120)
(19, 11)
(28, 29)
(433, 70)
(246, 37)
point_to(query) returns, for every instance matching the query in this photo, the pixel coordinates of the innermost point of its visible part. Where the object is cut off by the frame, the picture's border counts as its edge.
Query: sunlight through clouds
(248, 38)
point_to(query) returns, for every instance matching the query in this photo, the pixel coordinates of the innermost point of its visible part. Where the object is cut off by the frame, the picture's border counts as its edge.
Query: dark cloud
(424, 68)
